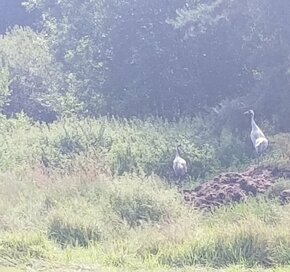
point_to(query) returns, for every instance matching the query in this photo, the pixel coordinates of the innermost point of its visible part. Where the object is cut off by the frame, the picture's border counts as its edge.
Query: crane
(258, 138)
(179, 164)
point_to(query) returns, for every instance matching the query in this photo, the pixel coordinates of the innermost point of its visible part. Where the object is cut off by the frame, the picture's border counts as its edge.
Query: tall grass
(96, 192)
(131, 222)
(119, 145)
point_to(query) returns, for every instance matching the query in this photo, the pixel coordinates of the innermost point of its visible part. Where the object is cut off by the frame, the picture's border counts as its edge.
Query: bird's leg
(263, 155)
(257, 160)
(180, 184)
(177, 182)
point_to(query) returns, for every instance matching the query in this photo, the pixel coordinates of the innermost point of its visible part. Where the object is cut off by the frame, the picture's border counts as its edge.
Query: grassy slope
(83, 215)
(131, 222)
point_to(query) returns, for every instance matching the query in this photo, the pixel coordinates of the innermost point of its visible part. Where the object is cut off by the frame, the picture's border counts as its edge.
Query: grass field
(80, 213)
(132, 222)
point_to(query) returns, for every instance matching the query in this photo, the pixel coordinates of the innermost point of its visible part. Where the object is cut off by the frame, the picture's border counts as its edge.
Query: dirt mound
(234, 187)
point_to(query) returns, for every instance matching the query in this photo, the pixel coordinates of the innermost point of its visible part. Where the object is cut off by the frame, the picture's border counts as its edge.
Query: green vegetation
(119, 145)
(93, 99)
(131, 222)
(141, 58)
(72, 194)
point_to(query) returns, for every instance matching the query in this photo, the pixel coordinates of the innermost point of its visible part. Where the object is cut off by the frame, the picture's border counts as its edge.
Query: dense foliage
(140, 58)
(120, 146)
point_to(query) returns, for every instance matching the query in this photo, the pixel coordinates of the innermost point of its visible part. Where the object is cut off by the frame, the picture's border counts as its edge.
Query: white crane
(258, 138)
(179, 164)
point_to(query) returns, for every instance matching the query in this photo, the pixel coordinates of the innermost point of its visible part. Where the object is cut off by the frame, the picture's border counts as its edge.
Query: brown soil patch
(235, 187)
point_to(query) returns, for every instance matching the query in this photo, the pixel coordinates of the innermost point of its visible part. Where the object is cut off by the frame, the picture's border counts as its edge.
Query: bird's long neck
(177, 154)
(253, 123)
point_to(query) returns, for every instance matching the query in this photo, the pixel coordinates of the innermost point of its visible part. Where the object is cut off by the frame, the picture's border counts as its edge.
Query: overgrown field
(121, 145)
(97, 195)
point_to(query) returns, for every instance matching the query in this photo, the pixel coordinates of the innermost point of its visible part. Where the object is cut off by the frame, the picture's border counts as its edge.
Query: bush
(233, 151)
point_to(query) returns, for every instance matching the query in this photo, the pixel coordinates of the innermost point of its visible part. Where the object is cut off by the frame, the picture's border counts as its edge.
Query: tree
(31, 72)
(126, 55)
(171, 59)
(257, 33)
(4, 85)
(74, 30)
(13, 13)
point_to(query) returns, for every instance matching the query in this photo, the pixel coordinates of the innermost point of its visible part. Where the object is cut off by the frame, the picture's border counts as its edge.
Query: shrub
(232, 151)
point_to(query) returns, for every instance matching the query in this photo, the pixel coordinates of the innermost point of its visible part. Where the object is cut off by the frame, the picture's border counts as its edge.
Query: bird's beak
(246, 112)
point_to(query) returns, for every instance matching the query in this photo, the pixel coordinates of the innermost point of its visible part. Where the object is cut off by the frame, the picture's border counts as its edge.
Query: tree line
(156, 57)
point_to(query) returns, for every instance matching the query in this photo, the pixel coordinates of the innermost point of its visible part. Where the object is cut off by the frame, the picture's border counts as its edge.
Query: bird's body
(179, 164)
(258, 138)
(261, 145)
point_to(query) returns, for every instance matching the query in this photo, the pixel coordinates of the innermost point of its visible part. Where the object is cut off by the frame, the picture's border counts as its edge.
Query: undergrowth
(120, 145)
(97, 192)
(131, 222)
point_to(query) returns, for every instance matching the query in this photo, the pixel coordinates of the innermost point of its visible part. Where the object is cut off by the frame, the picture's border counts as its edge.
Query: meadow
(97, 195)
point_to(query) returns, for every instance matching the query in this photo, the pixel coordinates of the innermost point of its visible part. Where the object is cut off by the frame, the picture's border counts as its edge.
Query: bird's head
(178, 147)
(250, 112)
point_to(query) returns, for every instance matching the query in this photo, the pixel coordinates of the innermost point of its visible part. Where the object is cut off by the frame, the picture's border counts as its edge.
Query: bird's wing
(257, 135)
(180, 162)
(261, 140)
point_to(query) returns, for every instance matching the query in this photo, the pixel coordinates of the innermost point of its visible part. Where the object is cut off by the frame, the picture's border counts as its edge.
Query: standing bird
(258, 138)
(179, 164)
